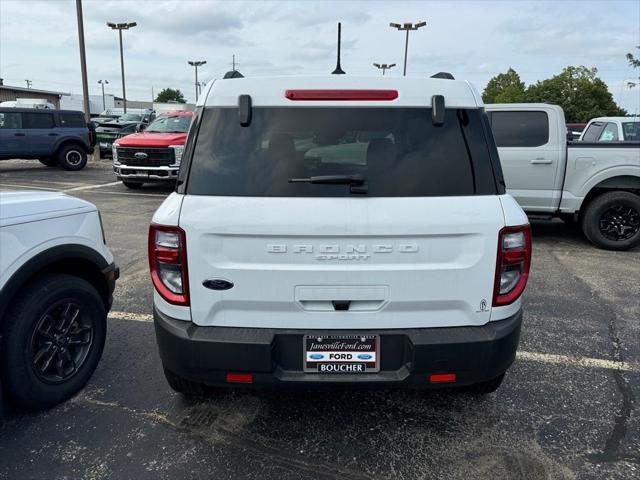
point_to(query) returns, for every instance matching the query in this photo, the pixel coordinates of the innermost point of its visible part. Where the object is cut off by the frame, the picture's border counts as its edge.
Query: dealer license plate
(341, 354)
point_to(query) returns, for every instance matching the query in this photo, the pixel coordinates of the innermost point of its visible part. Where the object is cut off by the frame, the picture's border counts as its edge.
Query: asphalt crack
(611, 452)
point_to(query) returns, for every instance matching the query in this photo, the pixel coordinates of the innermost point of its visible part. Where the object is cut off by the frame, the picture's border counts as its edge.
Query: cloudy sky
(474, 40)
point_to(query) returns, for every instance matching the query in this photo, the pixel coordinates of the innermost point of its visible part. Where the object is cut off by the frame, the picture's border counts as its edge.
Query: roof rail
(445, 75)
(233, 74)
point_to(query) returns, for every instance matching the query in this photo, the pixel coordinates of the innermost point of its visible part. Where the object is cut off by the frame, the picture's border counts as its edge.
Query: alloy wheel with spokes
(60, 342)
(74, 157)
(619, 222)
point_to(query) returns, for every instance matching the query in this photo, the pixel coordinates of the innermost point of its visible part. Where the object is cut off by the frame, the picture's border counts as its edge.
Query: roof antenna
(338, 70)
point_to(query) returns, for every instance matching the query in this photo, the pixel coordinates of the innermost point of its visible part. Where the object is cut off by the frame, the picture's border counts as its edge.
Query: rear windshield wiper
(355, 181)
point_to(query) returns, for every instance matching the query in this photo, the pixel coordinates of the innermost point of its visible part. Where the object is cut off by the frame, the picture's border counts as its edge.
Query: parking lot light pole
(196, 64)
(102, 82)
(383, 66)
(120, 27)
(407, 27)
(83, 61)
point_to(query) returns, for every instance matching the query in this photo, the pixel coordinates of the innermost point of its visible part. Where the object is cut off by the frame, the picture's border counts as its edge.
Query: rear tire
(49, 162)
(612, 220)
(484, 388)
(72, 157)
(182, 385)
(132, 185)
(52, 341)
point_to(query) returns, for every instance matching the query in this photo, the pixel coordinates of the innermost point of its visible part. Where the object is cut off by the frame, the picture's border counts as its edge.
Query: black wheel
(52, 341)
(72, 157)
(484, 388)
(49, 162)
(184, 386)
(132, 185)
(612, 221)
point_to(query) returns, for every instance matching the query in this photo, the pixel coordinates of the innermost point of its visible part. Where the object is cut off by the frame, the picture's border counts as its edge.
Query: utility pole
(196, 64)
(407, 27)
(233, 63)
(120, 27)
(83, 62)
(383, 66)
(102, 82)
(29, 82)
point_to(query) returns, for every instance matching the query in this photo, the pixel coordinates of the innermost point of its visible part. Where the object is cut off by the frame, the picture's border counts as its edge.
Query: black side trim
(41, 261)
(603, 144)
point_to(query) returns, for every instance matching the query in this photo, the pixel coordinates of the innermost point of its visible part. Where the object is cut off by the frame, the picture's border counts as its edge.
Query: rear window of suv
(398, 152)
(72, 120)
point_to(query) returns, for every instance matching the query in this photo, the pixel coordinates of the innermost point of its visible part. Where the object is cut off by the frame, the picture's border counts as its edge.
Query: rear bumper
(274, 356)
(148, 174)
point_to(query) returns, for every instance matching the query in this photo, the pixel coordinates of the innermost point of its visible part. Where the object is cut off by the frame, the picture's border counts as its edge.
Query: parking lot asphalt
(567, 409)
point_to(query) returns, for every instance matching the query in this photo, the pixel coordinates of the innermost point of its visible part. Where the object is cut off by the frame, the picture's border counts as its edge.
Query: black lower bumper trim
(275, 356)
(111, 274)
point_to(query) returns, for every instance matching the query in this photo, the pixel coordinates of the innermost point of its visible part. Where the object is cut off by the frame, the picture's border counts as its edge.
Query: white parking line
(15, 185)
(89, 187)
(525, 356)
(136, 317)
(577, 361)
(132, 194)
(85, 187)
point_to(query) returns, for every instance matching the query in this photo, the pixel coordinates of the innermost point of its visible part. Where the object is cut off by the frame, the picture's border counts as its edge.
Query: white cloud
(473, 40)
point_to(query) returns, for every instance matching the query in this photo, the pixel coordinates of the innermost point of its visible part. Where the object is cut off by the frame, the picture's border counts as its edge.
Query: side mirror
(437, 110)
(569, 136)
(140, 127)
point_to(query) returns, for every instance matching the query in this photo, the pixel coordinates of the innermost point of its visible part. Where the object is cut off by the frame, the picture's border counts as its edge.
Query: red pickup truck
(153, 155)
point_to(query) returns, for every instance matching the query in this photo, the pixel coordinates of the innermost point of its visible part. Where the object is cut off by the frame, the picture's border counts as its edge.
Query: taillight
(512, 264)
(344, 95)
(168, 263)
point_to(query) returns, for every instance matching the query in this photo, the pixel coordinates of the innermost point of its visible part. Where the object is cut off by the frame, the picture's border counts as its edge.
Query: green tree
(505, 88)
(580, 93)
(170, 95)
(635, 64)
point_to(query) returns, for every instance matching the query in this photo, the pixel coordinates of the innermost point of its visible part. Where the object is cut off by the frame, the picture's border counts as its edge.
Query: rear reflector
(343, 95)
(442, 378)
(239, 378)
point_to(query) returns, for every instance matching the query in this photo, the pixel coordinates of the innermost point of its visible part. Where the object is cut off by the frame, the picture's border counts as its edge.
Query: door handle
(53, 134)
(541, 161)
(19, 134)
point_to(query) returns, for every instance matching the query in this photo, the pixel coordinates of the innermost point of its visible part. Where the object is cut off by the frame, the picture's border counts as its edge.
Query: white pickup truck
(597, 184)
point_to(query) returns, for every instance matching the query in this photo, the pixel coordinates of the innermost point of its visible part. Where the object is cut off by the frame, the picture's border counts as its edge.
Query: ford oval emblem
(217, 284)
(140, 155)
(364, 356)
(316, 356)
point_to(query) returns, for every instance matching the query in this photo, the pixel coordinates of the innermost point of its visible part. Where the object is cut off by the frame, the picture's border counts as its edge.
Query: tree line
(578, 90)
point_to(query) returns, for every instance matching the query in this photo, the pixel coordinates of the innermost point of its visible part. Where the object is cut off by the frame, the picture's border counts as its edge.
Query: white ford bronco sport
(331, 230)
(56, 286)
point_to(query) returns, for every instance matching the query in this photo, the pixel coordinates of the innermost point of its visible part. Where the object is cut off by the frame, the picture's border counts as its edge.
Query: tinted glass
(38, 120)
(520, 129)
(398, 151)
(609, 134)
(631, 131)
(177, 124)
(72, 120)
(10, 120)
(131, 117)
(593, 132)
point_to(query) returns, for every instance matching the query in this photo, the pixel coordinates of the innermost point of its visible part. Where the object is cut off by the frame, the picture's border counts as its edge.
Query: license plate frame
(335, 353)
